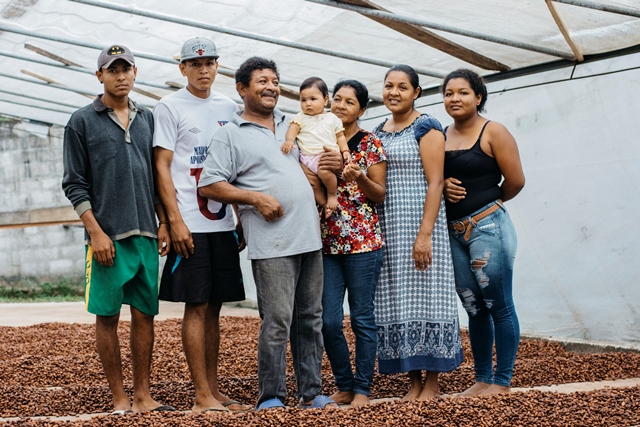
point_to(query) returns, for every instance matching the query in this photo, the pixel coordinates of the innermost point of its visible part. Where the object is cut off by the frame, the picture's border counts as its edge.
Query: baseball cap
(113, 53)
(198, 48)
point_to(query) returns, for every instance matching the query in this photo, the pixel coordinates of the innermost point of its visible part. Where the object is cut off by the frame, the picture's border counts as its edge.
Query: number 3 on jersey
(203, 202)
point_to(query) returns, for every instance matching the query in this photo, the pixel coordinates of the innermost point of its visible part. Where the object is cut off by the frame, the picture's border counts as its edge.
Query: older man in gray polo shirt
(276, 204)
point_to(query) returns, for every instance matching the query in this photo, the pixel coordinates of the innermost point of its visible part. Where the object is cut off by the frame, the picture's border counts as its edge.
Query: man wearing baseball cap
(108, 177)
(203, 267)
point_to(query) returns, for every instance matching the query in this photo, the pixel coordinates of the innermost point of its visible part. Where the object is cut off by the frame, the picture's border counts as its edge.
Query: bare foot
(428, 393)
(359, 400)
(416, 386)
(230, 404)
(474, 390)
(430, 388)
(149, 405)
(342, 397)
(331, 206)
(208, 404)
(496, 389)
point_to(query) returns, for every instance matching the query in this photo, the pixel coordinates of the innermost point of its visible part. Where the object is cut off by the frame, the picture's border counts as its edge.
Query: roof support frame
(432, 39)
(237, 33)
(445, 28)
(565, 32)
(13, 29)
(67, 88)
(24, 104)
(22, 95)
(620, 10)
(80, 70)
(50, 55)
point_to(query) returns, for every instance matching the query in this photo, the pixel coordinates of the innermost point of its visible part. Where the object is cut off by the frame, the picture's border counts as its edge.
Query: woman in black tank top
(482, 169)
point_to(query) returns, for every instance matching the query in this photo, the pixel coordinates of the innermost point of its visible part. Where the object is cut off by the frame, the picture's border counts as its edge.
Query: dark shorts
(211, 273)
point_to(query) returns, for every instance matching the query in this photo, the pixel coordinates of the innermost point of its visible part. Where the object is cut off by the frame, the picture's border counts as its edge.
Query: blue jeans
(358, 274)
(289, 291)
(483, 268)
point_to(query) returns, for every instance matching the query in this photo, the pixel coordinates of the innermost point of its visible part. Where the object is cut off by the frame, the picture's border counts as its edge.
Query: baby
(314, 128)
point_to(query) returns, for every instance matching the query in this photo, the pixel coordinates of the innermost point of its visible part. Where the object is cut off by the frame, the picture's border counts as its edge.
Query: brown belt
(466, 226)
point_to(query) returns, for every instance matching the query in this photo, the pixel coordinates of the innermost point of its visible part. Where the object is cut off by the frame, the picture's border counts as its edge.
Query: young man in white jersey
(203, 267)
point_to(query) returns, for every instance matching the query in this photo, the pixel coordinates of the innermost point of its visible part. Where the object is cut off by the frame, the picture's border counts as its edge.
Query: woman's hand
(453, 190)
(422, 253)
(351, 172)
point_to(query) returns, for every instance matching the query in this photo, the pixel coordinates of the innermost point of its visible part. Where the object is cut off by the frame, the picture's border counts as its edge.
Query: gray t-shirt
(247, 155)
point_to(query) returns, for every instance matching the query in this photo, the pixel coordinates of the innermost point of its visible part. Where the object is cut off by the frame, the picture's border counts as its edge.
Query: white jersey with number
(185, 124)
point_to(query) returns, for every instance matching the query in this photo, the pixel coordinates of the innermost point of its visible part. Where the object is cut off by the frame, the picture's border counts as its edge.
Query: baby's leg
(316, 185)
(330, 181)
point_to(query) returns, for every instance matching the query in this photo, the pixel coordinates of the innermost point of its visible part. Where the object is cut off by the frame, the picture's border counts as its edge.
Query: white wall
(576, 274)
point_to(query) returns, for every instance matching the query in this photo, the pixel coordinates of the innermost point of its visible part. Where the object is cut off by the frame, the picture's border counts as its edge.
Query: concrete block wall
(31, 165)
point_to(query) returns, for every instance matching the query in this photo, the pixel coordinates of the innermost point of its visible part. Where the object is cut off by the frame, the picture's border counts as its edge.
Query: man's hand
(103, 249)
(240, 236)
(268, 206)
(453, 191)
(164, 239)
(181, 239)
(330, 160)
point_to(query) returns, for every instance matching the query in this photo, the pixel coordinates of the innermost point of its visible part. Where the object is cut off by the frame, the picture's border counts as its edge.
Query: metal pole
(67, 88)
(329, 52)
(35, 106)
(435, 26)
(13, 29)
(22, 95)
(621, 10)
(78, 69)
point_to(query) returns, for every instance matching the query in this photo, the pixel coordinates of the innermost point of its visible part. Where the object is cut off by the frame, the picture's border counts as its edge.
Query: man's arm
(180, 234)
(331, 160)
(164, 237)
(223, 192)
(103, 249)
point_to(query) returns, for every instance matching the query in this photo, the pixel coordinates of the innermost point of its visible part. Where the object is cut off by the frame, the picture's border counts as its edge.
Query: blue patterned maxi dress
(416, 311)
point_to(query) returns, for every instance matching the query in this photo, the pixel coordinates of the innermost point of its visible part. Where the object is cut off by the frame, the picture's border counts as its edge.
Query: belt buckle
(459, 227)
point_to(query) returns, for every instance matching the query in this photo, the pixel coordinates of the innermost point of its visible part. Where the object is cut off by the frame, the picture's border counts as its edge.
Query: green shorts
(132, 279)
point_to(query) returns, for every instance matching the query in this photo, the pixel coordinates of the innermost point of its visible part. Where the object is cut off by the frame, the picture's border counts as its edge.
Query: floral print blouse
(353, 227)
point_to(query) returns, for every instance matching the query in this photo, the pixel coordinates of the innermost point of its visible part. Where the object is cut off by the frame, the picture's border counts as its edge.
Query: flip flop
(320, 402)
(122, 412)
(244, 407)
(163, 408)
(271, 403)
(204, 411)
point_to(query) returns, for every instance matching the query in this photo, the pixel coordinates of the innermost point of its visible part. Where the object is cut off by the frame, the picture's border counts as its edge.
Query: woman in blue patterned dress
(416, 309)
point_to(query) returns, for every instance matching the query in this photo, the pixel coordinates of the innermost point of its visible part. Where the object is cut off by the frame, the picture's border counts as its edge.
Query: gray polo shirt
(247, 155)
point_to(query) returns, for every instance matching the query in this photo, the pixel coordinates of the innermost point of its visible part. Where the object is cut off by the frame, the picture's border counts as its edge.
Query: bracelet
(164, 221)
(345, 151)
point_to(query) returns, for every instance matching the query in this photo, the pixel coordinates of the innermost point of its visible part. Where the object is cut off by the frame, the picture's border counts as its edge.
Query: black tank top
(480, 176)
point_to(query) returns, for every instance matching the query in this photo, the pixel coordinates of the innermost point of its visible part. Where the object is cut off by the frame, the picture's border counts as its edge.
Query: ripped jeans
(483, 268)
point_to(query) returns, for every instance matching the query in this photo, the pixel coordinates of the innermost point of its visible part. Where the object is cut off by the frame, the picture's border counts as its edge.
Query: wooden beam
(289, 93)
(48, 80)
(432, 39)
(146, 93)
(174, 84)
(51, 55)
(563, 29)
(39, 217)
